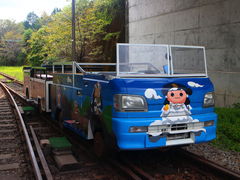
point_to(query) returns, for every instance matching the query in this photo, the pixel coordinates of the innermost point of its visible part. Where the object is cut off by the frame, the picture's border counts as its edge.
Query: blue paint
(122, 121)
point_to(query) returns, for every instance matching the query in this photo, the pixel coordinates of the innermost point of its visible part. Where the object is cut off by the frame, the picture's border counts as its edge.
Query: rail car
(153, 96)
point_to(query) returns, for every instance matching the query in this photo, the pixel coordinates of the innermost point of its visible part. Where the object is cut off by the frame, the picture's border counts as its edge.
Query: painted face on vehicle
(177, 96)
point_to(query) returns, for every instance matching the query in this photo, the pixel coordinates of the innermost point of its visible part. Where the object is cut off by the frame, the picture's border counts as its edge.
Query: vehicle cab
(153, 96)
(163, 96)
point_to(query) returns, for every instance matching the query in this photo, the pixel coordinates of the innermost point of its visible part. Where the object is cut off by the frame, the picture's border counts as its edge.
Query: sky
(18, 9)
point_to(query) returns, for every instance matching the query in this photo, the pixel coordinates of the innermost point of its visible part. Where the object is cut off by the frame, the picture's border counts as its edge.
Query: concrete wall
(214, 24)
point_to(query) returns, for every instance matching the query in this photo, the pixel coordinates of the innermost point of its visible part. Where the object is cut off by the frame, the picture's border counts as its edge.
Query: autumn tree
(10, 43)
(95, 37)
(37, 51)
(32, 21)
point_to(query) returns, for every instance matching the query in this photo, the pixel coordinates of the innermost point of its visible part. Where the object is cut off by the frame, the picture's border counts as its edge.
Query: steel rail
(121, 167)
(11, 78)
(17, 94)
(41, 156)
(27, 138)
(40, 153)
(137, 170)
(210, 164)
(125, 169)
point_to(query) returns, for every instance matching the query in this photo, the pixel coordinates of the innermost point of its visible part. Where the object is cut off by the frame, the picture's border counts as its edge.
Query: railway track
(43, 131)
(89, 168)
(179, 164)
(16, 153)
(11, 78)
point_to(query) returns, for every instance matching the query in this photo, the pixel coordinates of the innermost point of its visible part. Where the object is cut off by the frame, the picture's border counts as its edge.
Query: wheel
(99, 145)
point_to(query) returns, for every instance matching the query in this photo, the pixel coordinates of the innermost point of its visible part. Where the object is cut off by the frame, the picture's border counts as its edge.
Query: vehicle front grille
(176, 127)
(178, 136)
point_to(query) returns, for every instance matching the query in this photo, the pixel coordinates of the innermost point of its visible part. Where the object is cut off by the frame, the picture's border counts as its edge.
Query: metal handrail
(97, 64)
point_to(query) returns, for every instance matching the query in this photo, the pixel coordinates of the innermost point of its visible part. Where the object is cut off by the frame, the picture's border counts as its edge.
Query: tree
(55, 11)
(98, 26)
(10, 38)
(37, 49)
(32, 21)
(44, 19)
(7, 26)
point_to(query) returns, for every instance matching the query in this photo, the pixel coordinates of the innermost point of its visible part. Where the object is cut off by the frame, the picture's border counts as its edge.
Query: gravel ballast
(228, 159)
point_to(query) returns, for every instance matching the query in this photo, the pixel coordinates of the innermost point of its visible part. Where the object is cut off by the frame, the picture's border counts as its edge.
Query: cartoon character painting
(97, 99)
(58, 107)
(81, 120)
(177, 108)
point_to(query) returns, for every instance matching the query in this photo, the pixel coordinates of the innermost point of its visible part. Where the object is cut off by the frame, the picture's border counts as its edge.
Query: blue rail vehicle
(153, 96)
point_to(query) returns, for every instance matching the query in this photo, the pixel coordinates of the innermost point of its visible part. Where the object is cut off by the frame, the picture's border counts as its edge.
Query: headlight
(129, 103)
(208, 100)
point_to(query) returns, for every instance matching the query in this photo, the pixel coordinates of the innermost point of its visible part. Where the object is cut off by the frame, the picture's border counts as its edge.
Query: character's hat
(174, 87)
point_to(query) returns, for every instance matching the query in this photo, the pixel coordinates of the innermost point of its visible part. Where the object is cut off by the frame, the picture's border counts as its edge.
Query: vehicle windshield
(160, 60)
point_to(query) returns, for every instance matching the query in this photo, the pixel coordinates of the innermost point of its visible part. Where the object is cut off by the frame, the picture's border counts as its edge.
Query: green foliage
(92, 21)
(236, 105)
(7, 26)
(32, 21)
(15, 71)
(228, 129)
(45, 19)
(37, 51)
(111, 35)
(10, 43)
(55, 11)
(27, 35)
(48, 38)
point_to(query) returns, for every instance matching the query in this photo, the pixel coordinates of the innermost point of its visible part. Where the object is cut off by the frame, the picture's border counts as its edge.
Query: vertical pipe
(73, 32)
(126, 21)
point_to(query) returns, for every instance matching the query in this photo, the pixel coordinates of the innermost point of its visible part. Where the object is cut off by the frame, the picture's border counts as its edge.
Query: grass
(15, 71)
(228, 129)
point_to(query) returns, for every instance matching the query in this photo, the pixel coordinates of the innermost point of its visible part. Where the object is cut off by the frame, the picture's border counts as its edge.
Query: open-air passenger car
(153, 96)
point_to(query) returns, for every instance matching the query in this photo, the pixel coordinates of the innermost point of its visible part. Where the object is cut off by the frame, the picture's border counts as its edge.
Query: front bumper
(127, 140)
